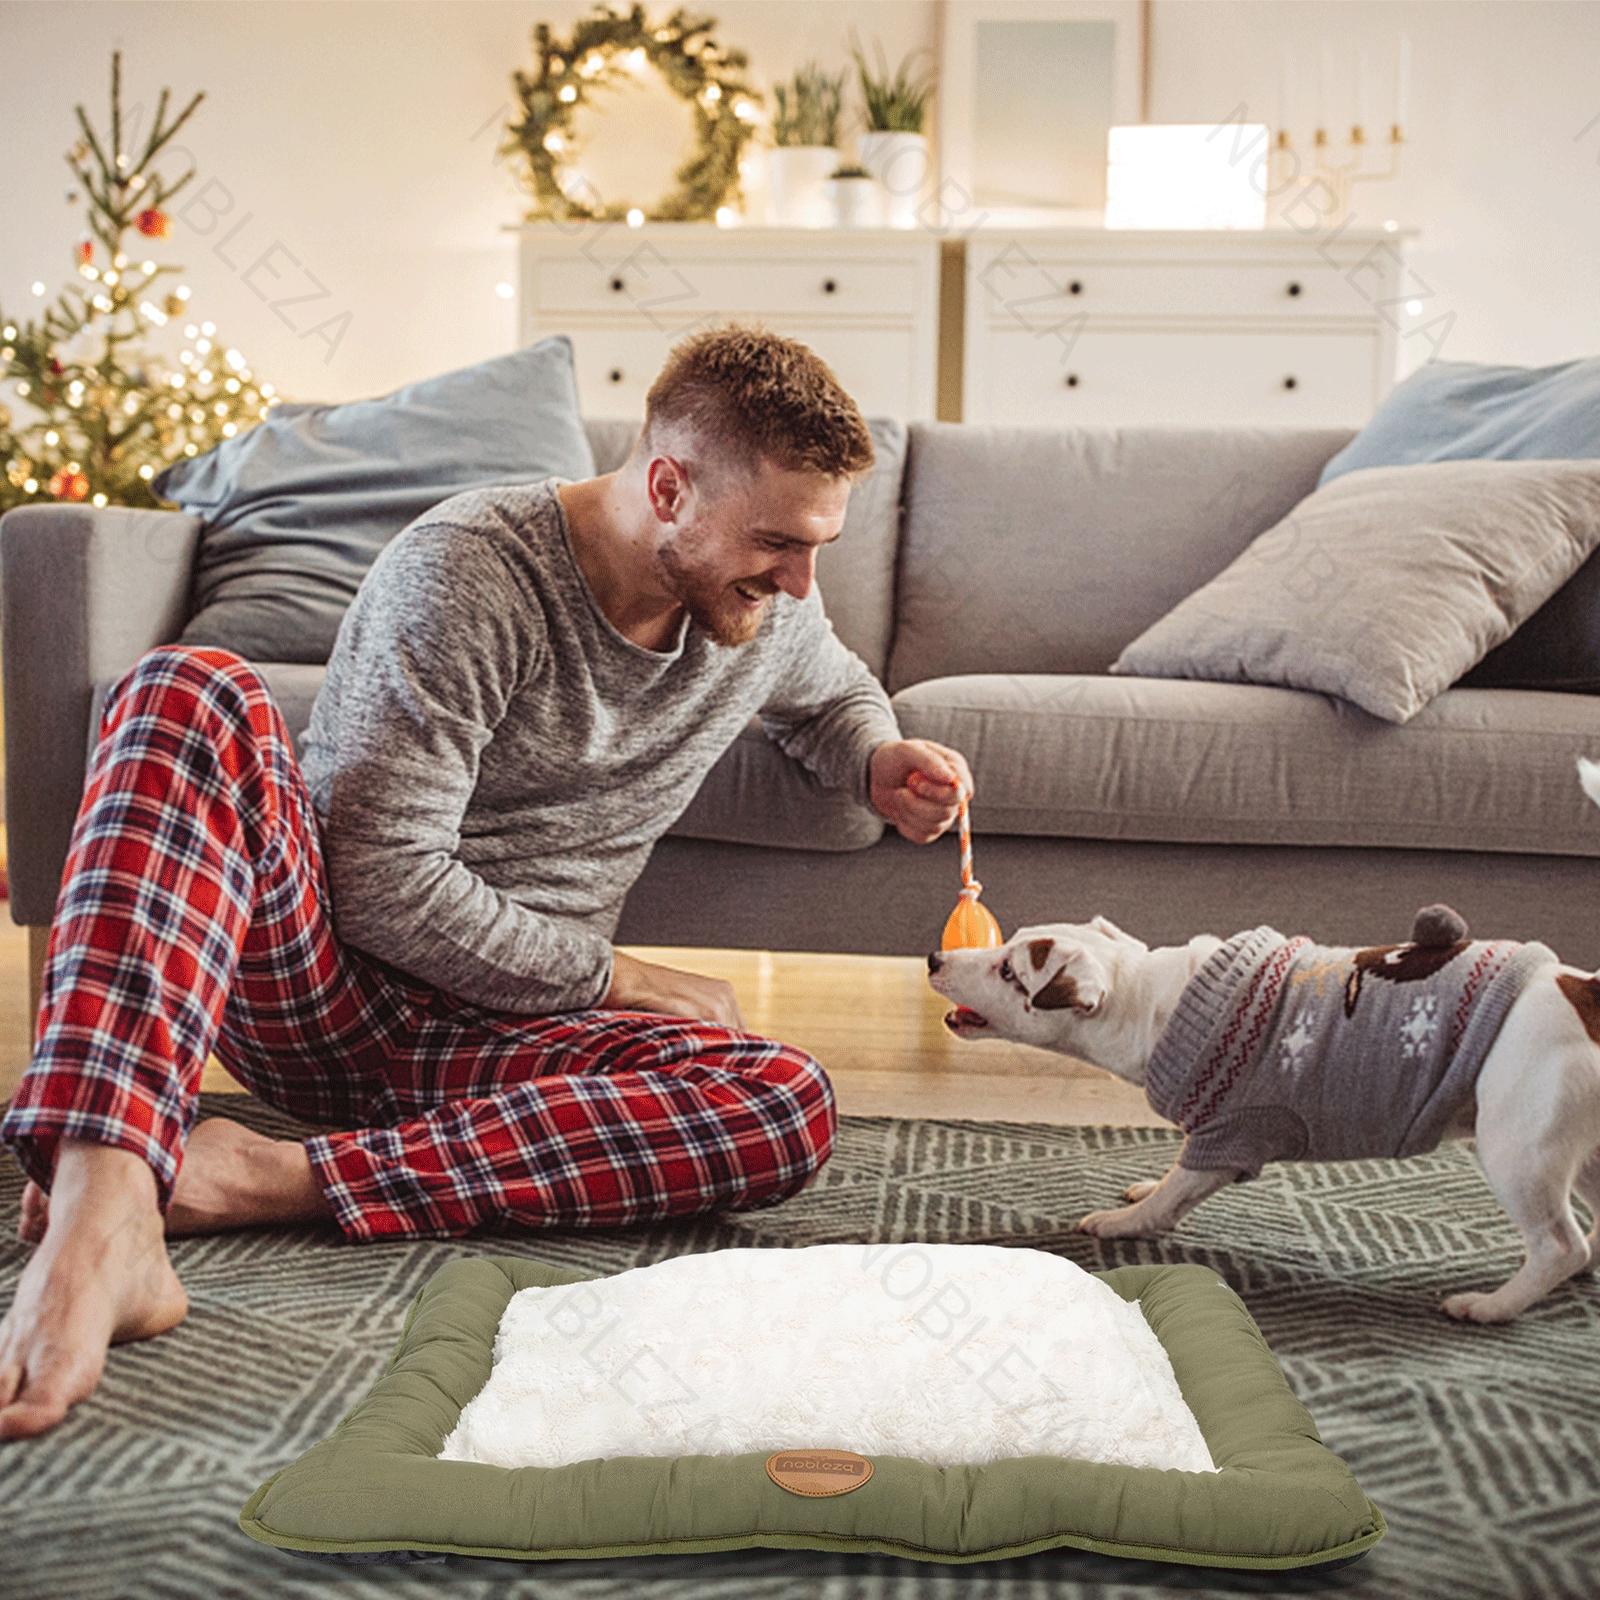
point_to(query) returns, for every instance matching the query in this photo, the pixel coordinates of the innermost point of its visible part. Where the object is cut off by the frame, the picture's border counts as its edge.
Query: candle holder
(1339, 174)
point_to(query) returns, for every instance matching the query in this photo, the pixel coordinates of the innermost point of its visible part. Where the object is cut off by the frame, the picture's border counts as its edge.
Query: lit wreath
(601, 49)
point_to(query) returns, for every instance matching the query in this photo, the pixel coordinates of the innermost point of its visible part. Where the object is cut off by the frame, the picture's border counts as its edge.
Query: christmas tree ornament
(152, 223)
(85, 251)
(971, 926)
(65, 485)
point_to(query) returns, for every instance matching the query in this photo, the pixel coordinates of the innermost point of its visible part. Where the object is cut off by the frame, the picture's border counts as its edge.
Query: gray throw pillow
(296, 509)
(1386, 585)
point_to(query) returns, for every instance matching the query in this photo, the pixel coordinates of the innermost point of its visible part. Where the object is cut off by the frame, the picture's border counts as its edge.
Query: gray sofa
(989, 576)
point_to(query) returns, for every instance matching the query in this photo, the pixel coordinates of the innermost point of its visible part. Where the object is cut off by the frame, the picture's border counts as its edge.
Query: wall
(352, 145)
(346, 154)
(1502, 169)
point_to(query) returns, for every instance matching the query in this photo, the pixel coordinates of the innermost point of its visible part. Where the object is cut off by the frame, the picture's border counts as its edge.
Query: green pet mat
(1280, 1498)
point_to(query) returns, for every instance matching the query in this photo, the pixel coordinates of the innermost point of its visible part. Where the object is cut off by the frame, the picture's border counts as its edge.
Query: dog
(1524, 1075)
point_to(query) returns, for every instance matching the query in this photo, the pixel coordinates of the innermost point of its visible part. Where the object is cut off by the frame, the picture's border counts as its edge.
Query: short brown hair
(755, 393)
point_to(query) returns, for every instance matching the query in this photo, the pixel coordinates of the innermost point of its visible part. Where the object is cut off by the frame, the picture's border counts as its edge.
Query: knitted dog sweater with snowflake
(1280, 1048)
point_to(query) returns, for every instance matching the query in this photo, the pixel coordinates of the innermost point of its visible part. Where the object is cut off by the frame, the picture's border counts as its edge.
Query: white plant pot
(899, 161)
(856, 202)
(797, 185)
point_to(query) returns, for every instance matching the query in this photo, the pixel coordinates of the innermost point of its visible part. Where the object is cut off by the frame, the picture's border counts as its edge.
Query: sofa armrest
(83, 594)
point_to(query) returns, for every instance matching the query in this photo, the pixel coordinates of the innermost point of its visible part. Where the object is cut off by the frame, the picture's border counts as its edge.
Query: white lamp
(1187, 175)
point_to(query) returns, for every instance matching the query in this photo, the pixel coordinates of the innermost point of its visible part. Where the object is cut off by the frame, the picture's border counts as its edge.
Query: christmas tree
(110, 411)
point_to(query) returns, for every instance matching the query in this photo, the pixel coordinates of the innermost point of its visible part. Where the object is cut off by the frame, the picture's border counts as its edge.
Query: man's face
(736, 537)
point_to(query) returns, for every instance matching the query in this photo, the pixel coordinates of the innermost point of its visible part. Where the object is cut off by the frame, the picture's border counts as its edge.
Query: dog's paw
(1141, 1190)
(1124, 1223)
(1475, 1306)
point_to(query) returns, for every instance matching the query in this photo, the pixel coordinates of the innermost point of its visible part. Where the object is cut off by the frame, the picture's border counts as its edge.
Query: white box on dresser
(1116, 327)
(867, 300)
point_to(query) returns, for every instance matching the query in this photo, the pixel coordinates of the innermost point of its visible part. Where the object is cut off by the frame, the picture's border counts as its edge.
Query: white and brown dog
(1263, 1029)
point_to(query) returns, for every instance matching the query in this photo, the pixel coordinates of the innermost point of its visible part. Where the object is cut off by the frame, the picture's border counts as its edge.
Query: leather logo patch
(818, 1472)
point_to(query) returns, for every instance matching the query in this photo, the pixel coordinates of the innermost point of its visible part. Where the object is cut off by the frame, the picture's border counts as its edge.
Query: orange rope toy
(971, 926)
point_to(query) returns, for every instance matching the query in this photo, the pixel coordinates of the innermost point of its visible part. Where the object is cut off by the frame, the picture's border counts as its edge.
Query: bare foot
(234, 1177)
(99, 1277)
(231, 1177)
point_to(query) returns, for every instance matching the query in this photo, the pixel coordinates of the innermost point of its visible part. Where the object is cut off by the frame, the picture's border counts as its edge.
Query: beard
(713, 603)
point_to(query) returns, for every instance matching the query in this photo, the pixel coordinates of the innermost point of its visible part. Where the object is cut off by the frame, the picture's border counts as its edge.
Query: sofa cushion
(755, 794)
(1461, 410)
(1558, 647)
(1174, 759)
(1387, 585)
(296, 508)
(1043, 550)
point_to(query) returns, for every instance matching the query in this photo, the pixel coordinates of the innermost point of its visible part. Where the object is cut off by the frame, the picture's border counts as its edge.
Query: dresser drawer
(674, 291)
(615, 368)
(886, 371)
(1014, 287)
(878, 366)
(1197, 377)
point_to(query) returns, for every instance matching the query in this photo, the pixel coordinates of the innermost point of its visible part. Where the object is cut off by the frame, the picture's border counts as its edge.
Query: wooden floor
(871, 1020)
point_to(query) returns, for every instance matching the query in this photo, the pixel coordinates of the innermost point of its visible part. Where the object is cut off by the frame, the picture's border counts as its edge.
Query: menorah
(1363, 160)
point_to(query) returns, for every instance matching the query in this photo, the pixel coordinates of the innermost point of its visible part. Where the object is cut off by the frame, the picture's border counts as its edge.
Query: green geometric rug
(1481, 1445)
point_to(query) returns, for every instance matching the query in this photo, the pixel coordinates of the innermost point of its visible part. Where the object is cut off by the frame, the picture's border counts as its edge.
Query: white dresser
(867, 301)
(1110, 327)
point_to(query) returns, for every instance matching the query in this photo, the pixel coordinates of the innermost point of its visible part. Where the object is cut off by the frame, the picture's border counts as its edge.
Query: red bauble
(66, 485)
(85, 251)
(56, 367)
(152, 223)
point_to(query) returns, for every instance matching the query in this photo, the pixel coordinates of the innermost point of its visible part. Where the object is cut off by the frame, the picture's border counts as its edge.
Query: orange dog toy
(971, 926)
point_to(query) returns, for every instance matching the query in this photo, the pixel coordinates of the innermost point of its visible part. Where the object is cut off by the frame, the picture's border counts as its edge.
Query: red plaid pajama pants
(194, 917)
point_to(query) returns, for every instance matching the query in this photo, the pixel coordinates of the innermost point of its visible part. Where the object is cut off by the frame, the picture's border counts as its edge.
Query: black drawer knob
(615, 374)
(617, 286)
(1294, 288)
(830, 285)
(1072, 380)
(1291, 382)
(1075, 287)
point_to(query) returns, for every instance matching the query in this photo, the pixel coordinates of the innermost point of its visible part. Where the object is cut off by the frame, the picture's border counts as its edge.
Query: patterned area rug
(1481, 1445)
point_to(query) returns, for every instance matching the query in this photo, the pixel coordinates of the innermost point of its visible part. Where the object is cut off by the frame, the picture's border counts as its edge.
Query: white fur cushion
(949, 1354)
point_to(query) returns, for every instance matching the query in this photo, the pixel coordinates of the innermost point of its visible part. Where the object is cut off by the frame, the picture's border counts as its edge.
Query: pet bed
(416, 1465)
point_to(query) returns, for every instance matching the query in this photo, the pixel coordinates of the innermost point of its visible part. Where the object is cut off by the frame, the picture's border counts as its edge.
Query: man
(408, 939)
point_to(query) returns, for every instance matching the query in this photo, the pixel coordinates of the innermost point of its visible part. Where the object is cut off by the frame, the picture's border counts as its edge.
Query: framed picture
(1028, 90)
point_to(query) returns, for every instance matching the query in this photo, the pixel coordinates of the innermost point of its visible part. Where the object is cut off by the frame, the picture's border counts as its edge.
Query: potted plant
(894, 148)
(805, 132)
(856, 197)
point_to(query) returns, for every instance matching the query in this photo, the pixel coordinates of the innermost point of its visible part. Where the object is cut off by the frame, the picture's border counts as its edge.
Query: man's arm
(433, 649)
(827, 710)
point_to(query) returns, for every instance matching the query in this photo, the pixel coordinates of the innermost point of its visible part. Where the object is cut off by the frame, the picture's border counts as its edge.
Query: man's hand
(917, 785)
(643, 986)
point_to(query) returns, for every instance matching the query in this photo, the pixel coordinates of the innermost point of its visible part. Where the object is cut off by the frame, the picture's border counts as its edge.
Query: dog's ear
(1040, 951)
(1078, 984)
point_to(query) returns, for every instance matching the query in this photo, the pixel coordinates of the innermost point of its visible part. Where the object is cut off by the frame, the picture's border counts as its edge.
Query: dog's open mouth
(965, 1016)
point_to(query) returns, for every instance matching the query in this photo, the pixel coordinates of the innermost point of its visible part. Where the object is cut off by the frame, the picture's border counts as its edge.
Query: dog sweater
(1280, 1048)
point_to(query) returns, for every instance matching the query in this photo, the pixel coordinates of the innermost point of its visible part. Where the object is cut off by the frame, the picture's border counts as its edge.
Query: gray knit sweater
(1280, 1048)
(491, 760)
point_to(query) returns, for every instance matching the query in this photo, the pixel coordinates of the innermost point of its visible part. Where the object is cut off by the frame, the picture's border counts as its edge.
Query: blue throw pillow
(296, 509)
(1461, 411)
